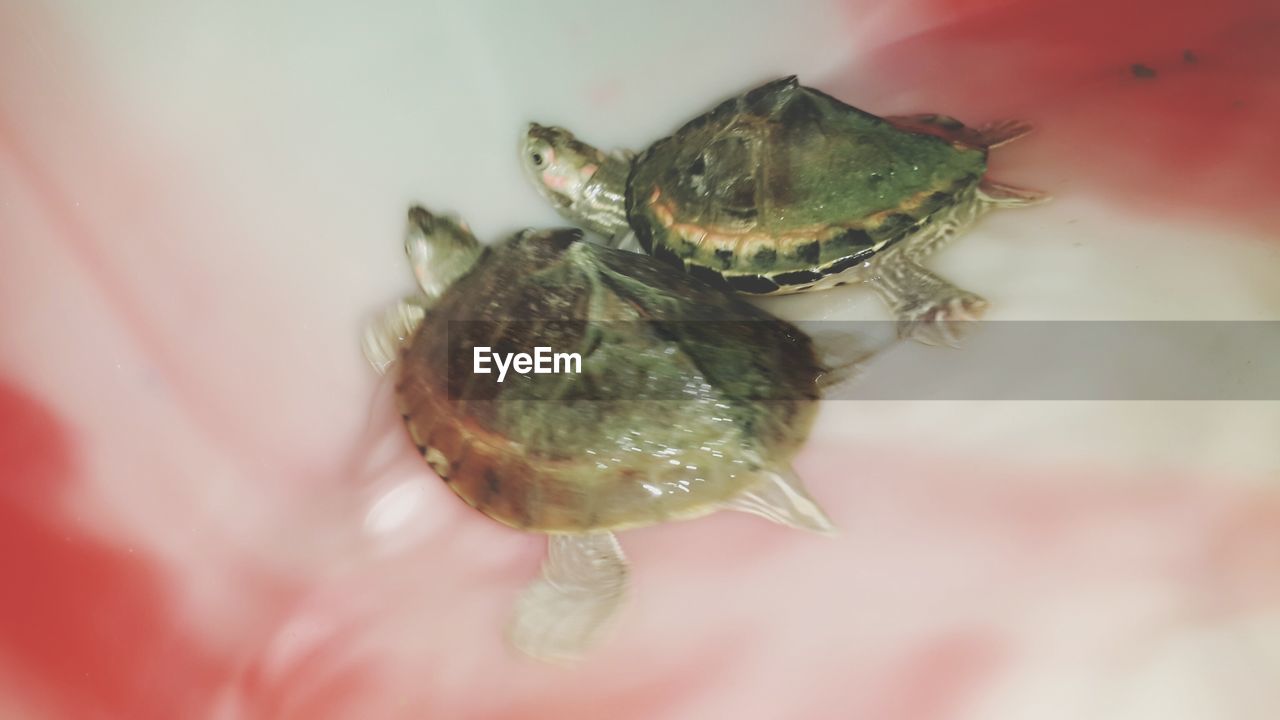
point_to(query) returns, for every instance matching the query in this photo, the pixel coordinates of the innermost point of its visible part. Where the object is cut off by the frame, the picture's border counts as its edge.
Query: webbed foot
(780, 496)
(583, 584)
(999, 195)
(384, 337)
(929, 309)
(1002, 132)
(940, 320)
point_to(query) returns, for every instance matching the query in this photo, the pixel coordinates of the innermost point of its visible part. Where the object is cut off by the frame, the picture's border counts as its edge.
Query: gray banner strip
(1058, 360)
(1073, 360)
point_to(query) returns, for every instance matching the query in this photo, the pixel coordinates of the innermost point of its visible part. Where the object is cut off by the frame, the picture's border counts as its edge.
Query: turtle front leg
(384, 337)
(928, 308)
(583, 584)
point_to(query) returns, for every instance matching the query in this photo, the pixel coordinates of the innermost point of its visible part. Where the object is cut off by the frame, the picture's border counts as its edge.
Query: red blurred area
(1164, 107)
(87, 628)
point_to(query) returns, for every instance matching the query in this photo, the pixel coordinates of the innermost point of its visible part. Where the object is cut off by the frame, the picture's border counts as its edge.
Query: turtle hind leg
(562, 613)
(990, 135)
(942, 126)
(1001, 132)
(928, 308)
(779, 495)
(992, 194)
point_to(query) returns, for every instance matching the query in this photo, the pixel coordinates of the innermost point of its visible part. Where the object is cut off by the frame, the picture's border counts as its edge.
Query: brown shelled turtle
(687, 401)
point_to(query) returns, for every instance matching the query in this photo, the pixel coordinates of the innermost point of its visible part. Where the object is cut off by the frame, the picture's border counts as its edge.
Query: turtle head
(559, 164)
(440, 250)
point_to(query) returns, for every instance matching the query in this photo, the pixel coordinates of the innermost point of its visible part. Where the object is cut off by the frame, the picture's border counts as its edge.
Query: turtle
(687, 400)
(785, 189)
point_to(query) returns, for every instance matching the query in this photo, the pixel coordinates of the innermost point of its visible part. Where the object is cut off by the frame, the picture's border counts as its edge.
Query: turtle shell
(777, 188)
(685, 393)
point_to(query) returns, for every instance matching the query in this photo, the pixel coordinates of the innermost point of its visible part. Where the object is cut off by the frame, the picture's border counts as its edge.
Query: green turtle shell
(779, 187)
(685, 393)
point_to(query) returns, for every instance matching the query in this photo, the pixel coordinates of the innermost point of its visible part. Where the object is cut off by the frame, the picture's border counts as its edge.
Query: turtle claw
(944, 322)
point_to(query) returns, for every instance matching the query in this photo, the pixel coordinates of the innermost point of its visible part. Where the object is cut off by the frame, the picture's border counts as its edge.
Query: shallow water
(205, 515)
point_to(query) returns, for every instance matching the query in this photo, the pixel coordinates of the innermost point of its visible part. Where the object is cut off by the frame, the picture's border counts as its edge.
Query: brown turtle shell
(685, 395)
